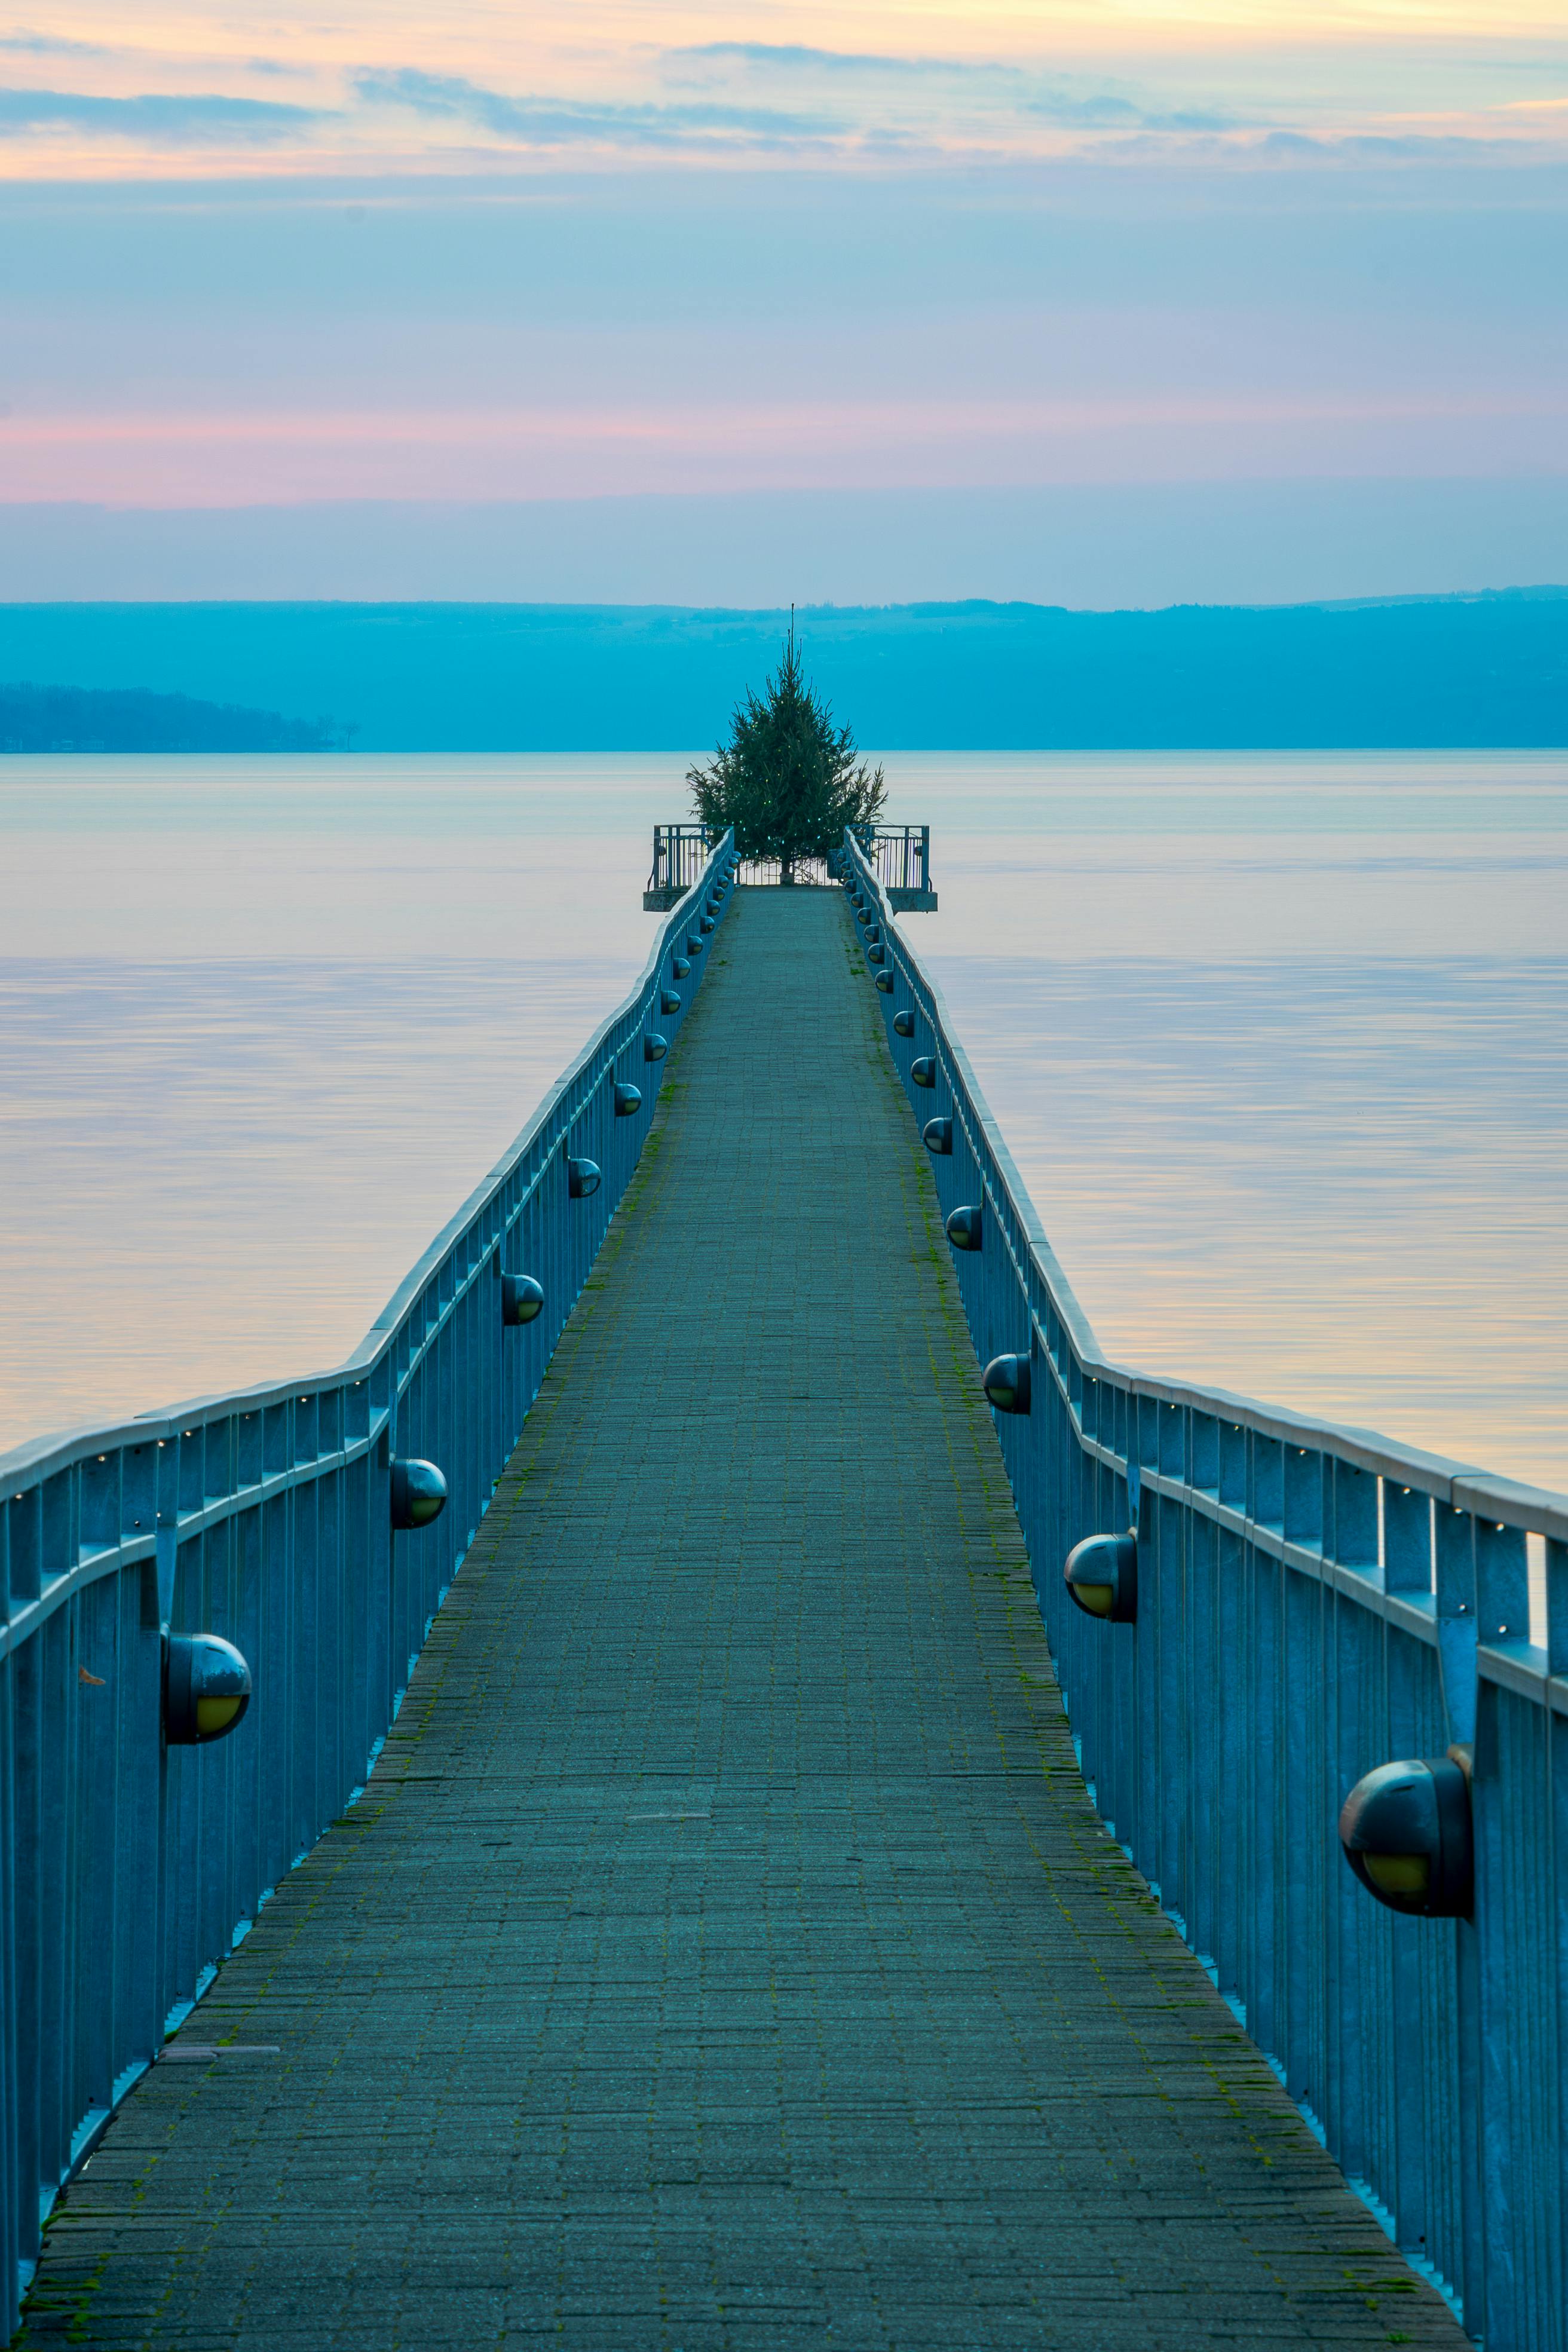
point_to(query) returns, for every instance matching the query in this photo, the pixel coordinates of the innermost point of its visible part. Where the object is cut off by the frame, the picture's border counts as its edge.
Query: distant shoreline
(61, 718)
(1481, 672)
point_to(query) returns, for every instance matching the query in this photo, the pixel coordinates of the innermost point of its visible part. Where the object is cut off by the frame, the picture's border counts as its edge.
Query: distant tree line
(86, 718)
(1484, 672)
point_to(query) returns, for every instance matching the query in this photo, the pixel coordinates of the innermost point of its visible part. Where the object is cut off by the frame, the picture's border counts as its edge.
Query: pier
(772, 1915)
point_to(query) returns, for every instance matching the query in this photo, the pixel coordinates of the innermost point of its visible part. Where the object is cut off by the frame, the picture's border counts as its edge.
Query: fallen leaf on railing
(83, 1677)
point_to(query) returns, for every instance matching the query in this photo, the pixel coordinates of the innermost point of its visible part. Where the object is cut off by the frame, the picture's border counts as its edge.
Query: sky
(619, 299)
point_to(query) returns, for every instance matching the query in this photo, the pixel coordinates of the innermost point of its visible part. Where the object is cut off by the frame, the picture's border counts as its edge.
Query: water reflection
(217, 1172)
(1338, 1185)
(1280, 1047)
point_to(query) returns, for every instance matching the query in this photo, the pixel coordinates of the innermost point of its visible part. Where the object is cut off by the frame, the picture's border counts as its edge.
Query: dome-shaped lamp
(583, 1178)
(679, 968)
(923, 1071)
(884, 981)
(937, 1135)
(1407, 1834)
(1005, 1380)
(628, 1099)
(653, 1046)
(1102, 1574)
(904, 1023)
(966, 1227)
(669, 999)
(521, 1298)
(206, 1688)
(418, 1493)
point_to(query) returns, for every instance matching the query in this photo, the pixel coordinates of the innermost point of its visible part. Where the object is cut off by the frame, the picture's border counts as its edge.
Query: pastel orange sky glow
(175, 91)
(322, 255)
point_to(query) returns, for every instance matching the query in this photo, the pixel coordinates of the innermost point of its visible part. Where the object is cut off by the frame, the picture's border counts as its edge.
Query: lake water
(1280, 1044)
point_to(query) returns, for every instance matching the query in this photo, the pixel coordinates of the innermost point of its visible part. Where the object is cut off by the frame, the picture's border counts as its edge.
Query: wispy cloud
(723, 444)
(1376, 147)
(1001, 91)
(51, 45)
(164, 118)
(550, 122)
(1104, 110)
(550, 90)
(791, 57)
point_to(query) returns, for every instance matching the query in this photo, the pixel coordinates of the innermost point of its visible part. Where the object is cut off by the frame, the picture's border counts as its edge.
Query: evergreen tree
(788, 780)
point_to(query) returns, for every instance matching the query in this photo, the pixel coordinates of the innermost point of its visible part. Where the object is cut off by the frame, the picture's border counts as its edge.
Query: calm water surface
(1280, 1046)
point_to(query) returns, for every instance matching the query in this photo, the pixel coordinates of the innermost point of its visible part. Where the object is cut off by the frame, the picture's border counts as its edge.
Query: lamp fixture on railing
(521, 1298)
(1006, 1383)
(966, 1227)
(206, 1688)
(937, 1135)
(418, 1493)
(1101, 1575)
(1405, 1830)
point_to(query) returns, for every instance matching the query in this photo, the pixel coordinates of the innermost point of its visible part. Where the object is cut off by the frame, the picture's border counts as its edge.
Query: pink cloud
(234, 457)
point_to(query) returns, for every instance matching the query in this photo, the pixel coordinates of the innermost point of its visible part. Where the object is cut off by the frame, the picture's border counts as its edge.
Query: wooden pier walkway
(725, 1956)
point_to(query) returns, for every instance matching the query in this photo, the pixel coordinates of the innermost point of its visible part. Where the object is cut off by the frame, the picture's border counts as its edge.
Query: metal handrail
(899, 854)
(130, 1868)
(1312, 1600)
(678, 855)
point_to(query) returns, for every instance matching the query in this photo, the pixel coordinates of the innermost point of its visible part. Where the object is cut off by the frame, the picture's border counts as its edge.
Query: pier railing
(679, 851)
(131, 1865)
(680, 854)
(1299, 1605)
(899, 857)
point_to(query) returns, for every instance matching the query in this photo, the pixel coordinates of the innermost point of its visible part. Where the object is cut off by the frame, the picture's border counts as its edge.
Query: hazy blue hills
(1480, 671)
(79, 718)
